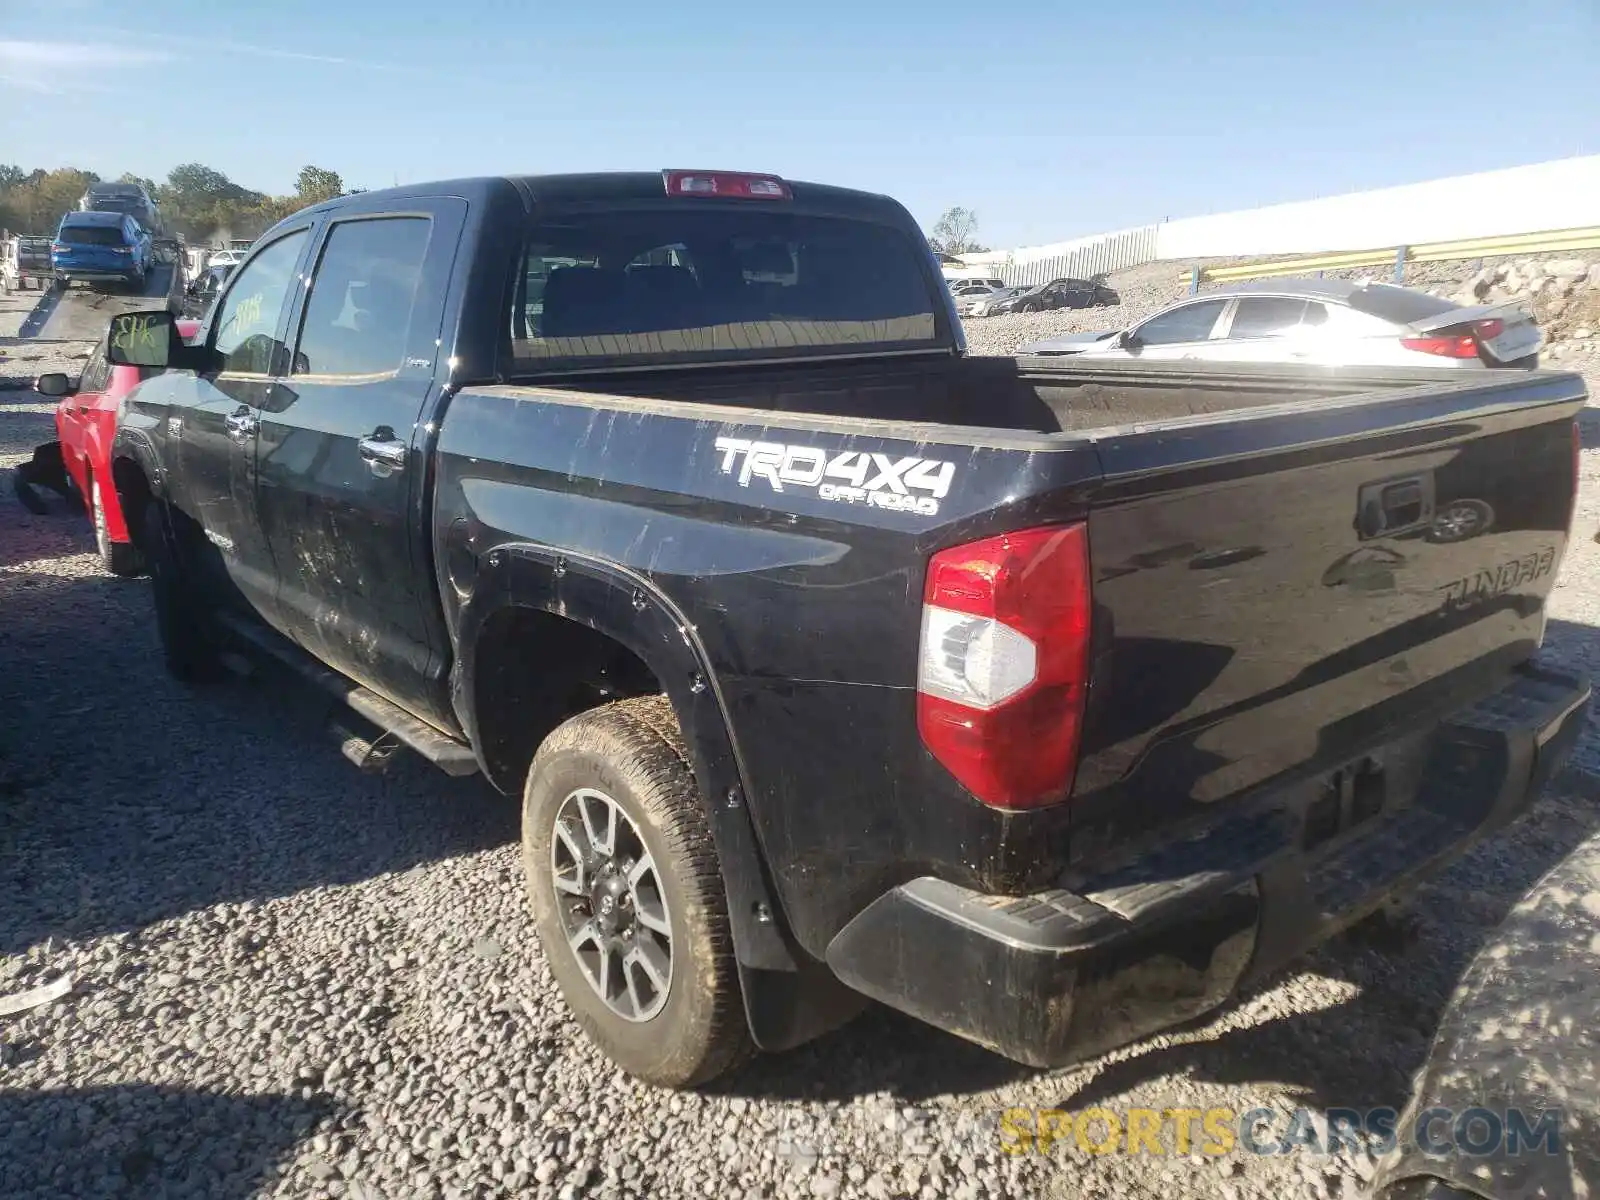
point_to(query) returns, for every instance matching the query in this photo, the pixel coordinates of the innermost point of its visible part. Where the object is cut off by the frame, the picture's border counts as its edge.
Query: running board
(449, 755)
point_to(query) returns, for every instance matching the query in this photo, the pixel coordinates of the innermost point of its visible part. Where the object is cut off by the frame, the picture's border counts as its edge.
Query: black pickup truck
(1049, 702)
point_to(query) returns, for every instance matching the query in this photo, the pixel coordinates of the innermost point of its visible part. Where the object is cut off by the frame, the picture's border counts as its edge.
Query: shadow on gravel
(1364, 1052)
(126, 798)
(143, 1140)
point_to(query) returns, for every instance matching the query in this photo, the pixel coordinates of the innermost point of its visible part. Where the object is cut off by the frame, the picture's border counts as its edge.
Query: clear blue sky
(1049, 119)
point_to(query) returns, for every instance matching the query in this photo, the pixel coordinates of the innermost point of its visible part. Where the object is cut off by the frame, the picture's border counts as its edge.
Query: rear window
(713, 285)
(1400, 305)
(91, 235)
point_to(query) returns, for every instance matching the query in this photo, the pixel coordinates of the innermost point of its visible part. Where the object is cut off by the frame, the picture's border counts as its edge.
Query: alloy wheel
(612, 906)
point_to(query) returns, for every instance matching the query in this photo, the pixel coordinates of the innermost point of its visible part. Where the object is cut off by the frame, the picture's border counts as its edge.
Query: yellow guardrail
(1548, 242)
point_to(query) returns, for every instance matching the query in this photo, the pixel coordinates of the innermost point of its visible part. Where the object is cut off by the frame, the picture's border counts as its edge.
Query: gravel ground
(290, 979)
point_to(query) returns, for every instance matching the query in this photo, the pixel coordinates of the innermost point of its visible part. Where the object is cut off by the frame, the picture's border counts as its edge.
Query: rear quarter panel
(804, 611)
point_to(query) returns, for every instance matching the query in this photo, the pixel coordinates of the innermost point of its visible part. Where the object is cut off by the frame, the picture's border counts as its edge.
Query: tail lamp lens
(1003, 671)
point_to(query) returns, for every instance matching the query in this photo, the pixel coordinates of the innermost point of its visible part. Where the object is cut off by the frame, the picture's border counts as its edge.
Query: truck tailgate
(1281, 590)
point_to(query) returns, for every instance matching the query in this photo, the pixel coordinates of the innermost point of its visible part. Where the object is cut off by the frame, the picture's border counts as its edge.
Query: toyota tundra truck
(1049, 702)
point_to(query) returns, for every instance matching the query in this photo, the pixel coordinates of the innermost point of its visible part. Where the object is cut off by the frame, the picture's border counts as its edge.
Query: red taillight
(736, 184)
(59, 247)
(1445, 347)
(1458, 345)
(1004, 663)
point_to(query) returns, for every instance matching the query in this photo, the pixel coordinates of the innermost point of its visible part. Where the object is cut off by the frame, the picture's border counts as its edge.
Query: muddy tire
(120, 558)
(627, 894)
(188, 646)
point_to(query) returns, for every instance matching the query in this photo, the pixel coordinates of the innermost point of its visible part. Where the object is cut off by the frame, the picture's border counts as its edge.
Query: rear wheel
(188, 645)
(627, 894)
(120, 558)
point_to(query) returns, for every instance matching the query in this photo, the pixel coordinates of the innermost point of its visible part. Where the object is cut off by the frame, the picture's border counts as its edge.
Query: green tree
(316, 184)
(37, 204)
(956, 232)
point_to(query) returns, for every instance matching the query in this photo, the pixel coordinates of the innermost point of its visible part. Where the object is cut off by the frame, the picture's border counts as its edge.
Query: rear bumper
(1062, 976)
(99, 274)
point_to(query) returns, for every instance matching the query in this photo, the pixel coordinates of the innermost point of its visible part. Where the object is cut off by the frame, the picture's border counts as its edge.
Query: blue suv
(102, 247)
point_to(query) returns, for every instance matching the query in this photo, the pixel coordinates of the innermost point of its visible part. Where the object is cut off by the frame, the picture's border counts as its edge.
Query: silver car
(981, 306)
(1329, 322)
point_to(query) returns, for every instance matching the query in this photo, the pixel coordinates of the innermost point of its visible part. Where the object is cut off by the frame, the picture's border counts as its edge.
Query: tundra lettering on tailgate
(851, 476)
(1486, 585)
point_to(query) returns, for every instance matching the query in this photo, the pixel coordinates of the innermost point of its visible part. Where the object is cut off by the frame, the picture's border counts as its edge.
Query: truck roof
(93, 218)
(612, 187)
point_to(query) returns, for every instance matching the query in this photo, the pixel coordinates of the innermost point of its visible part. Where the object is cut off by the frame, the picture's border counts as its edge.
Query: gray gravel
(283, 982)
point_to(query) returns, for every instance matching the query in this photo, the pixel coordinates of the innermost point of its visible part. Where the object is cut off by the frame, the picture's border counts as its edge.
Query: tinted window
(247, 320)
(91, 235)
(1191, 323)
(359, 311)
(1266, 316)
(1397, 304)
(717, 284)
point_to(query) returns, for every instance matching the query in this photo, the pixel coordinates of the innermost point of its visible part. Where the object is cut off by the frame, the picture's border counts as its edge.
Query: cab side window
(358, 316)
(246, 326)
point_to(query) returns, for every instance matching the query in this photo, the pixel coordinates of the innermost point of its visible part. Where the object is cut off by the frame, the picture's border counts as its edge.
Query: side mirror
(151, 339)
(54, 384)
(1129, 340)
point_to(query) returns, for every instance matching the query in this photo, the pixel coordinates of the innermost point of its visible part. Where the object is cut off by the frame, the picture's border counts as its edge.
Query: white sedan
(1327, 322)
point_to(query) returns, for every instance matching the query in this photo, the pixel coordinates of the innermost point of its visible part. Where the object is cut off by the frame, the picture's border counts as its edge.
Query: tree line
(197, 201)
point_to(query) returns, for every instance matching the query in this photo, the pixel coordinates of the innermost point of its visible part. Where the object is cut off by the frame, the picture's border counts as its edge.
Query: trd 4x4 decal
(851, 476)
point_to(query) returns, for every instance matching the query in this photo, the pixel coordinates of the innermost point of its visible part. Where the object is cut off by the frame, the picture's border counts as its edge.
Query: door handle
(385, 454)
(240, 424)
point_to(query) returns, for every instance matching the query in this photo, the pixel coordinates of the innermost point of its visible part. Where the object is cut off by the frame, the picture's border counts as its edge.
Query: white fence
(1079, 259)
(1564, 194)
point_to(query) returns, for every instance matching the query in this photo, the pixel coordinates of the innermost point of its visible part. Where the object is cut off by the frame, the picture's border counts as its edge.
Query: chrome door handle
(385, 454)
(240, 425)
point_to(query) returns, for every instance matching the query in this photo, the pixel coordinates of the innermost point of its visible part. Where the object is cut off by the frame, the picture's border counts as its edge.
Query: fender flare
(788, 998)
(138, 449)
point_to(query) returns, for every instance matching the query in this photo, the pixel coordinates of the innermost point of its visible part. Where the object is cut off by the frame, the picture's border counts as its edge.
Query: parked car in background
(1058, 293)
(224, 258)
(983, 306)
(86, 419)
(129, 199)
(201, 292)
(25, 262)
(1331, 322)
(101, 247)
(968, 294)
(960, 284)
